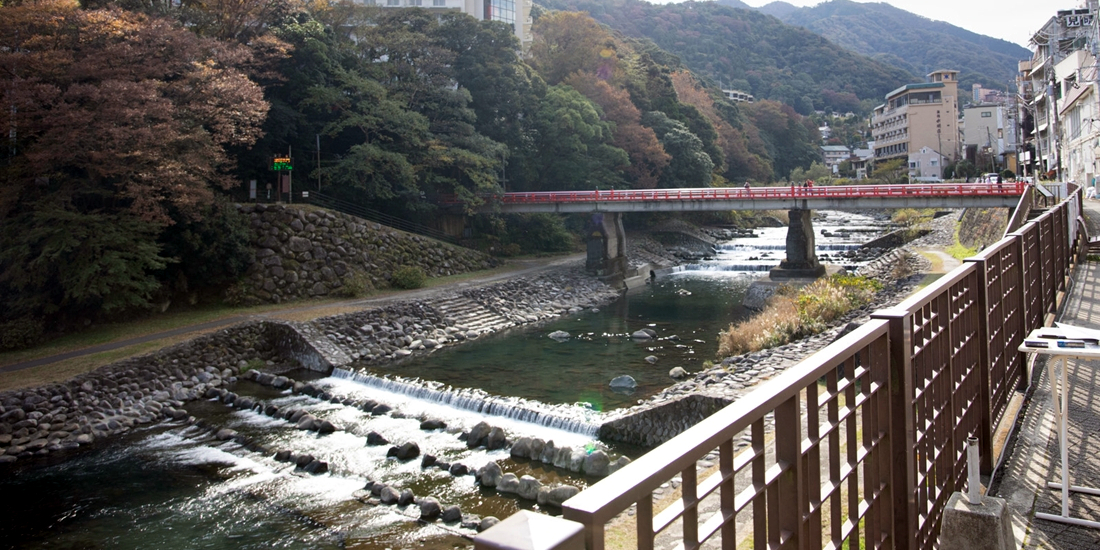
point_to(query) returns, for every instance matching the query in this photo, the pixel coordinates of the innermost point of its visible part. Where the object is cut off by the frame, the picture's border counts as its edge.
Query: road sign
(281, 164)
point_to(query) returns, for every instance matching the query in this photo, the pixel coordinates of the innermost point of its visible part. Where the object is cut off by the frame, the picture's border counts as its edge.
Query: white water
(570, 424)
(834, 232)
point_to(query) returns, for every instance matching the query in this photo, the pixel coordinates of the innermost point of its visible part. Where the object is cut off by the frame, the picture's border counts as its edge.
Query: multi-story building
(516, 13)
(738, 96)
(1058, 97)
(989, 129)
(919, 115)
(833, 155)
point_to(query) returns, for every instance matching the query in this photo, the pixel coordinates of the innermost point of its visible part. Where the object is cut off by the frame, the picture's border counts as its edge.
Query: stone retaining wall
(653, 426)
(304, 251)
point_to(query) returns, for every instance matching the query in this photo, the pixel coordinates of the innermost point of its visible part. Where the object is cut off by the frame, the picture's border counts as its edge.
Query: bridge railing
(864, 442)
(756, 193)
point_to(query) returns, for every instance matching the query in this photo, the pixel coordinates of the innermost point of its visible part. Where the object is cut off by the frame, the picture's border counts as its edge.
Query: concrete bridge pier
(606, 245)
(801, 261)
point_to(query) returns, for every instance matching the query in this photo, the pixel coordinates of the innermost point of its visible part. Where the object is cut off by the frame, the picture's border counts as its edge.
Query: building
(516, 13)
(1058, 98)
(925, 165)
(738, 96)
(833, 155)
(989, 130)
(919, 115)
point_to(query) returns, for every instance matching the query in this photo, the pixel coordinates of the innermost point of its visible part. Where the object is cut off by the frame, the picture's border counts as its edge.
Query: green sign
(281, 164)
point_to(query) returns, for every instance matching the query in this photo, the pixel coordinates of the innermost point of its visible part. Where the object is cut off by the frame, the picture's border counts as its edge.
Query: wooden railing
(862, 443)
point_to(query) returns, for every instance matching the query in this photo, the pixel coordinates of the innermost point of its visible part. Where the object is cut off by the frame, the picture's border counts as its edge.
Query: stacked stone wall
(303, 252)
(653, 426)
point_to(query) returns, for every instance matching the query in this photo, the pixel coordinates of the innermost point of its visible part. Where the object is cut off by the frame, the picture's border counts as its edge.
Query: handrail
(869, 433)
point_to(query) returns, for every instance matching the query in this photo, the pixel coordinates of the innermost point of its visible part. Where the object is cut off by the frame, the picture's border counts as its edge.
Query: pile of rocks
(526, 487)
(115, 398)
(303, 251)
(397, 331)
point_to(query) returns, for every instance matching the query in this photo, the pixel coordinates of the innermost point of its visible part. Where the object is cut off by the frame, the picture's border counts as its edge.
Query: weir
(477, 401)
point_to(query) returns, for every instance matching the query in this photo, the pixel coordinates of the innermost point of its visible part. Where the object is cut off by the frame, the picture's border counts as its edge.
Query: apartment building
(1058, 93)
(516, 13)
(989, 130)
(919, 115)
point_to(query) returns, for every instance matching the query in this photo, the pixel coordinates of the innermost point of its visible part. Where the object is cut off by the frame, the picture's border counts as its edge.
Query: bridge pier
(801, 261)
(606, 245)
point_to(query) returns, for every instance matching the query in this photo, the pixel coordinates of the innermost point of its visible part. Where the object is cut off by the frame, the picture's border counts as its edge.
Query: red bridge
(839, 197)
(607, 240)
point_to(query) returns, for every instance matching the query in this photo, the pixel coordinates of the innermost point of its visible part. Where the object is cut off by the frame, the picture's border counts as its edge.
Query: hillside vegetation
(907, 41)
(753, 52)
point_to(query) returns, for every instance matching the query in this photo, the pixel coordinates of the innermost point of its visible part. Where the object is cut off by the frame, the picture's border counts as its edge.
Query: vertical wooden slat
(789, 489)
(811, 468)
(901, 439)
(759, 504)
(727, 494)
(644, 516)
(689, 489)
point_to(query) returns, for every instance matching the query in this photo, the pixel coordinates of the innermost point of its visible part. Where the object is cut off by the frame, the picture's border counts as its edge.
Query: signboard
(281, 164)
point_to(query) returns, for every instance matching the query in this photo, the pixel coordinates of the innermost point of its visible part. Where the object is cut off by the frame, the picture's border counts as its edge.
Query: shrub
(21, 333)
(408, 277)
(357, 284)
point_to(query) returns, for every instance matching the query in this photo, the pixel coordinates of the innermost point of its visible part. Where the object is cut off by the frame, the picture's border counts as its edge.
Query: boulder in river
(559, 335)
(644, 334)
(625, 382)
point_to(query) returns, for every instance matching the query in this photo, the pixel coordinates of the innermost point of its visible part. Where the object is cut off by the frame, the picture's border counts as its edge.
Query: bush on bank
(793, 314)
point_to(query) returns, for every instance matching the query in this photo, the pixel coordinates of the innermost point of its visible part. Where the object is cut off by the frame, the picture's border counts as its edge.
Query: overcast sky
(1012, 20)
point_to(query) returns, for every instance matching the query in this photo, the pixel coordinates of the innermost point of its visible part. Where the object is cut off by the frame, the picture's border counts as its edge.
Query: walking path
(522, 268)
(1034, 457)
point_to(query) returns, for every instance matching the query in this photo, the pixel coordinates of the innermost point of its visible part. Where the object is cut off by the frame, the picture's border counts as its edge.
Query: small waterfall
(726, 267)
(750, 246)
(560, 417)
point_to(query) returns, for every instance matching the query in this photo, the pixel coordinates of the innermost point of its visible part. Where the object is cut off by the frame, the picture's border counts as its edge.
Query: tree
(647, 158)
(122, 125)
(890, 172)
(574, 145)
(569, 42)
(690, 165)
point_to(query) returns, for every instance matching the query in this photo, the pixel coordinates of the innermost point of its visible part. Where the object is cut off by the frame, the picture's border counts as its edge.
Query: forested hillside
(752, 51)
(905, 40)
(132, 129)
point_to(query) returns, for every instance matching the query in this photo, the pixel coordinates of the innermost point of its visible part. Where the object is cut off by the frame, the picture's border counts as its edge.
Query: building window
(987, 114)
(501, 10)
(393, 2)
(439, 3)
(416, 2)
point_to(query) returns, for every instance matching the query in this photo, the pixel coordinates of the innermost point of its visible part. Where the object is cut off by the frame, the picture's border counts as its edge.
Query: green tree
(690, 165)
(574, 145)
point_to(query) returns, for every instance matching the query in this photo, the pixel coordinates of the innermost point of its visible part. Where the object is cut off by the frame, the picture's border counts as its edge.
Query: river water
(169, 487)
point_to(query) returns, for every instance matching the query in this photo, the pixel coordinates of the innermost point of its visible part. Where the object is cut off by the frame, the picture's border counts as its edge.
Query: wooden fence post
(902, 434)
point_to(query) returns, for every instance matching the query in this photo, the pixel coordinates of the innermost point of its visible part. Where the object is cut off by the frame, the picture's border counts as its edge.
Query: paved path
(522, 268)
(1034, 457)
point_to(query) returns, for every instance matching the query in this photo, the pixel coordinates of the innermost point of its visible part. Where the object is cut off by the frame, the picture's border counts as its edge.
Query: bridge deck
(840, 197)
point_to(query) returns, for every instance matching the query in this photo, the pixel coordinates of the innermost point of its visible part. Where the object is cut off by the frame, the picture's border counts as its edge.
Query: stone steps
(463, 311)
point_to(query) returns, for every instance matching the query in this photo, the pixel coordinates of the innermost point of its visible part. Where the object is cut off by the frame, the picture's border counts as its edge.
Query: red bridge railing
(741, 193)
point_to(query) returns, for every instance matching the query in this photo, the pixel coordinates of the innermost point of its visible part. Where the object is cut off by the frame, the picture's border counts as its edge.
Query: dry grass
(789, 317)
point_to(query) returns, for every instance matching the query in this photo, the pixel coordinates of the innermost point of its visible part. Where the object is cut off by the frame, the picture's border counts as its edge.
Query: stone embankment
(141, 390)
(304, 252)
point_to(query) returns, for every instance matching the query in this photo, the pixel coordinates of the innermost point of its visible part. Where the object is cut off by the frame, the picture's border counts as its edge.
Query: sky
(1011, 20)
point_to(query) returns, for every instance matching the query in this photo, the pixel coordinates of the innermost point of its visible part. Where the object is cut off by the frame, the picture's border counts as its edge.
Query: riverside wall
(304, 252)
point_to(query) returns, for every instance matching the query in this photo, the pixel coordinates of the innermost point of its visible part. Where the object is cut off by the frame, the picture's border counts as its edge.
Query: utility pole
(318, 161)
(290, 178)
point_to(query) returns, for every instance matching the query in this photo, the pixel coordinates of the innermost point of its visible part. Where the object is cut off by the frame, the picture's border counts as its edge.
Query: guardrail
(737, 193)
(868, 436)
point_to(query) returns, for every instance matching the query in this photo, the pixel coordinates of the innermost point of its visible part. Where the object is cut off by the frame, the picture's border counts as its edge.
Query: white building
(925, 164)
(516, 13)
(1079, 117)
(991, 127)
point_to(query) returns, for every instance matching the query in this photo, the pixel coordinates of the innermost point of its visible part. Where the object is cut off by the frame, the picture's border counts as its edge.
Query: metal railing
(779, 192)
(862, 443)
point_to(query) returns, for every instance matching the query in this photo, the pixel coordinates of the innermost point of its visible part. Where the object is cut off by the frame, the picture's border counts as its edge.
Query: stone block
(985, 526)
